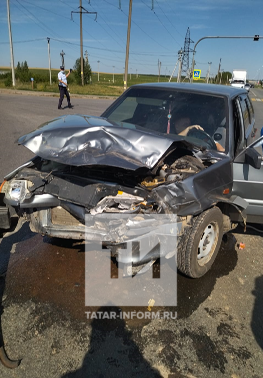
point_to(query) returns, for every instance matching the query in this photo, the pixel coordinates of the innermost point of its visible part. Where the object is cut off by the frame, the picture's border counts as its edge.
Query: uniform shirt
(62, 76)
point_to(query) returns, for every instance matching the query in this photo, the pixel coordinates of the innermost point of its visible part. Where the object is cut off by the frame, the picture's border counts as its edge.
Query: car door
(248, 180)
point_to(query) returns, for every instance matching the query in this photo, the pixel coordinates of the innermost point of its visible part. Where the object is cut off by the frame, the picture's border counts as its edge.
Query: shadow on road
(3, 356)
(257, 315)
(6, 245)
(112, 352)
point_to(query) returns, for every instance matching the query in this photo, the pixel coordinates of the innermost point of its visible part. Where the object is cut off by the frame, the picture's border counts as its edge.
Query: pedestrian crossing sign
(196, 74)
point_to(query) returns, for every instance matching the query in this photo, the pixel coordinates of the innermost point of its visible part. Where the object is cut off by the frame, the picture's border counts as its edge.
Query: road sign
(196, 74)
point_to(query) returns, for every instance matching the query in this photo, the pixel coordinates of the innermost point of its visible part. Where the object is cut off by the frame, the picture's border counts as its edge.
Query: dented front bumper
(133, 238)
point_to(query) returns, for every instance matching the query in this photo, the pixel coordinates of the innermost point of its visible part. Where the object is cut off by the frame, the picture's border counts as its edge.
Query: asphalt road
(21, 114)
(219, 326)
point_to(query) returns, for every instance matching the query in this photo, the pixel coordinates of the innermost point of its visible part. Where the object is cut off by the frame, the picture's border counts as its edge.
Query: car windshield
(171, 112)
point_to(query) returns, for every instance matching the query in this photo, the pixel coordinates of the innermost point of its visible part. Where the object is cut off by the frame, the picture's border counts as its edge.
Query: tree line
(24, 75)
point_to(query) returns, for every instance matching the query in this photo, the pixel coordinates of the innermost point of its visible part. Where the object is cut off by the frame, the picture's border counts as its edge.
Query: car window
(126, 109)
(245, 113)
(171, 111)
(239, 135)
(250, 109)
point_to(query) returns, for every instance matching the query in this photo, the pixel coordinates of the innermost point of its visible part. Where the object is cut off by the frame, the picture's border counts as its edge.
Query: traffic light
(256, 37)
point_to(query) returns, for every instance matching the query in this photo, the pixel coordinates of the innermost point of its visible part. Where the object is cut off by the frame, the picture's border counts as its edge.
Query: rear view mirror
(253, 158)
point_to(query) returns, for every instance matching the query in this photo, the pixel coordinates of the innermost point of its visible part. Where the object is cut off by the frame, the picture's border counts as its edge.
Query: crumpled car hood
(80, 140)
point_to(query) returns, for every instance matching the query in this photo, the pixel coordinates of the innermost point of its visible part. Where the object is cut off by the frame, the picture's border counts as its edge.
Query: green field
(104, 87)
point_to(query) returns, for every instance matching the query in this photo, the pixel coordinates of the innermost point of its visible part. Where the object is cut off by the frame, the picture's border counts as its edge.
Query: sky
(158, 32)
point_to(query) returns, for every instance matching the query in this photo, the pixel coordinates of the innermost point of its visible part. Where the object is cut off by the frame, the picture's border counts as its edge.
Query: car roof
(214, 89)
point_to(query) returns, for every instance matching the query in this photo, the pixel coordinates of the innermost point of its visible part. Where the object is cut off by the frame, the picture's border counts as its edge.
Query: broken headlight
(16, 190)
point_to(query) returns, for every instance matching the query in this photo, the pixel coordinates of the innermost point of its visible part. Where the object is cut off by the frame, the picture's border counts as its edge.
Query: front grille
(62, 217)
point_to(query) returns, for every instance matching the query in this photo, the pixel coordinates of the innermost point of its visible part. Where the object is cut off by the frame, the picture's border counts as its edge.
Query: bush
(22, 72)
(6, 75)
(86, 70)
(8, 80)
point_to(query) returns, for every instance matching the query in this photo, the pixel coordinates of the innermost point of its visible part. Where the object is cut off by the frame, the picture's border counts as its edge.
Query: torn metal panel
(197, 192)
(122, 202)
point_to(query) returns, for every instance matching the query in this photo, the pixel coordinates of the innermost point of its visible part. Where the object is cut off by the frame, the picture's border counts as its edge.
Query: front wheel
(199, 245)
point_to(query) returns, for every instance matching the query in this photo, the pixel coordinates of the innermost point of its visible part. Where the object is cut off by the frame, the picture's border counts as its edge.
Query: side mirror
(253, 158)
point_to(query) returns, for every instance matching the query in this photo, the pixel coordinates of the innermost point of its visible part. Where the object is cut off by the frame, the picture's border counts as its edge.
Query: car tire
(199, 245)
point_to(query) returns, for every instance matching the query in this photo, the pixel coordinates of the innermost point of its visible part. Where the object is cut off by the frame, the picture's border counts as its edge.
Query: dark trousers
(63, 92)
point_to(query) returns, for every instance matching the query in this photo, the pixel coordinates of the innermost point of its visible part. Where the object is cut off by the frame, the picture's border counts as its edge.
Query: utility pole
(82, 10)
(159, 69)
(49, 61)
(208, 72)
(62, 57)
(11, 45)
(98, 70)
(170, 77)
(128, 46)
(113, 74)
(218, 70)
(81, 43)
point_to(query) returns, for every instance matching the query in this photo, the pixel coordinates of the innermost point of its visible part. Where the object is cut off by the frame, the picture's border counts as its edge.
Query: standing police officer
(62, 77)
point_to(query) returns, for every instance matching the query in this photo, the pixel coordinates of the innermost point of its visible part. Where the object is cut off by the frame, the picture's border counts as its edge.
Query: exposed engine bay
(103, 189)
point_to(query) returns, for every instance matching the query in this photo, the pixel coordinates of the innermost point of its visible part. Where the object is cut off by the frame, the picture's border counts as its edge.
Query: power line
(115, 51)
(35, 20)
(114, 6)
(99, 42)
(70, 6)
(150, 54)
(108, 27)
(46, 29)
(26, 41)
(162, 24)
(133, 22)
(47, 10)
(172, 23)
(138, 26)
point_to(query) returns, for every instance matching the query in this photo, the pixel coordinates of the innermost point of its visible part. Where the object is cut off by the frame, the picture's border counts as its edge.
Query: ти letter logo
(130, 258)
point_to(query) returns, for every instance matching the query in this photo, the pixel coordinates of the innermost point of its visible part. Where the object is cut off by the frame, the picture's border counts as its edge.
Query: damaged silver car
(184, 149)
